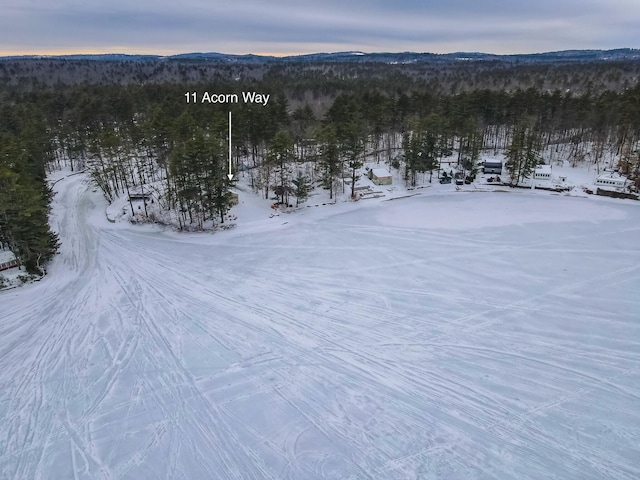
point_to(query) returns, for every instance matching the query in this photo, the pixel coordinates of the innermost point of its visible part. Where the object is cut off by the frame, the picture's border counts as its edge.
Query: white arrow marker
(230, 175)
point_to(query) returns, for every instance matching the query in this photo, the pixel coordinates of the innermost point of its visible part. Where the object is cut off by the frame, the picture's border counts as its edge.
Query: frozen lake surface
(459, 336)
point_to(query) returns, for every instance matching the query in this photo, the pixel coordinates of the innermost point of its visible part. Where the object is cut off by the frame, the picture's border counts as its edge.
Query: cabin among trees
(542, 173)
(8, 260)
(139, 197)
(612, 181)
(380, 176)
(492, 166)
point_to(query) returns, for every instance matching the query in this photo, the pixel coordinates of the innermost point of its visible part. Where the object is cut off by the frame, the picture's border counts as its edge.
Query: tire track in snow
(56, 339)
(265, 313)
(331, 374)
(150, 320)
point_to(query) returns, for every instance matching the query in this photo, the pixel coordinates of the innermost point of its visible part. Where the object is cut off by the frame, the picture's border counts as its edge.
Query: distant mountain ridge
(569, 70)
(564, 56)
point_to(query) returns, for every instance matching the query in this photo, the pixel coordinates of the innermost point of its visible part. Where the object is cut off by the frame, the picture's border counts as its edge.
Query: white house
(612, 181)
(542, 172)
(541, 177)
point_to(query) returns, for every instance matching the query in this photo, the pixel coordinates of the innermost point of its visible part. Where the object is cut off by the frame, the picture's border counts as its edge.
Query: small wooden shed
(380, 176)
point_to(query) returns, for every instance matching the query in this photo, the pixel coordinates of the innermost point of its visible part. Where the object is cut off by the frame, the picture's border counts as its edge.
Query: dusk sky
(283, 27)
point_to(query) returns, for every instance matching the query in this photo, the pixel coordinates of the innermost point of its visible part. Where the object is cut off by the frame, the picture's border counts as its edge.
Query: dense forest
(25, 152)
(320, 124)
(326, 75)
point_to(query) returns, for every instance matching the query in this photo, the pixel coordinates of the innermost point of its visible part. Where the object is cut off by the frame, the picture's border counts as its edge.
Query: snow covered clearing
(459, 335)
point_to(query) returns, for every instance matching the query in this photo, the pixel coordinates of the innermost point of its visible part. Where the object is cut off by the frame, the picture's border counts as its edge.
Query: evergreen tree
(329, 157)
(523, 154)
(301, 188)
(24, 201)
(280, 155)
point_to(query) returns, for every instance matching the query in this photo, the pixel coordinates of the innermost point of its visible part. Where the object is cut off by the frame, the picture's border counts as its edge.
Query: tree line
(274, 144)
(25, 151)
(326, 78)
(132, 137)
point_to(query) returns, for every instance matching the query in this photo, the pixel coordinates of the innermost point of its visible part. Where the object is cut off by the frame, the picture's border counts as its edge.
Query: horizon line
(142, 53)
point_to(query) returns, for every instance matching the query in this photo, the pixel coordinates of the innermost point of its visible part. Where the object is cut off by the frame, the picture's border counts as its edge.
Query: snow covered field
(451, 336)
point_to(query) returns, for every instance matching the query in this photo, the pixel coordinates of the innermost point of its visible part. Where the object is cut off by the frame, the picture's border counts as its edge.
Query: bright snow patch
(381, 172)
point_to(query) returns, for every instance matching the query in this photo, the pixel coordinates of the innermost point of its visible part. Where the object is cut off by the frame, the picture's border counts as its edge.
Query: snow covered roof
(543, 169)
(381, 172)
(6, 256)
(612, 176)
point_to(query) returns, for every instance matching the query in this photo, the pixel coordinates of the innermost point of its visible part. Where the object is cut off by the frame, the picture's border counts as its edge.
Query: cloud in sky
(290, 27)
